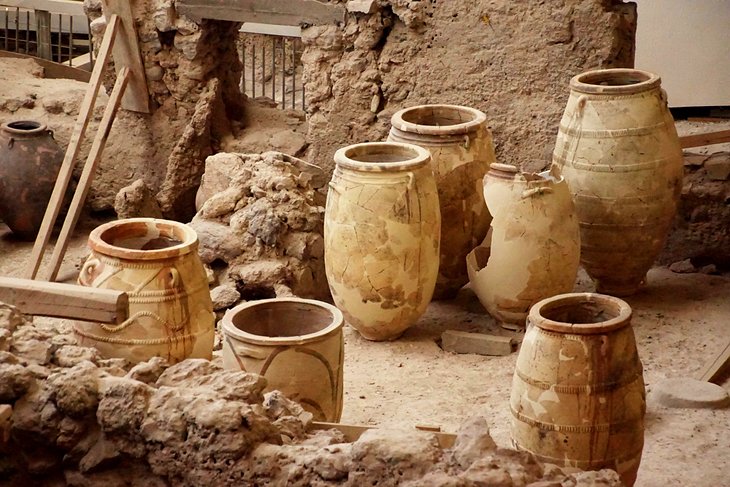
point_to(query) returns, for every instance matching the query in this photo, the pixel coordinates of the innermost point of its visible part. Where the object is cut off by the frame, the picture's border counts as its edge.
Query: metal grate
(272, 66)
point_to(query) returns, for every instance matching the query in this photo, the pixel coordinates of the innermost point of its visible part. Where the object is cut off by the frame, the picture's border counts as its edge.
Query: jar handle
(467, 141)
(87, 271)
(246, 351)
(11, 142)
(51, 133)
(664, 97)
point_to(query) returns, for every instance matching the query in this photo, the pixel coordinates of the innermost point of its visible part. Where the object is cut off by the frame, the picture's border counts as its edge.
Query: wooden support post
(65, 300)
(43, 33)
(87, 175)
(64, 174)
(709, 138)
(715, 368)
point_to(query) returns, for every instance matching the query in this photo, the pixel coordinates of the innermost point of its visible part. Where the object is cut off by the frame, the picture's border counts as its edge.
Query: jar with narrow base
(296, 344)
(170, 310)
(578, 397)
(619, 151)
(461, 150)
(381, 231)
(533, 248)
(30, 159)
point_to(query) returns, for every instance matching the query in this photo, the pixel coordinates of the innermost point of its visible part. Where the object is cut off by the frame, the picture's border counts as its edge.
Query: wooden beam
(281, 12)
(126, 54)
(74, 144)
(87, 175)
(52, 70)
(65, 300)
(708, 138)
(716, 367)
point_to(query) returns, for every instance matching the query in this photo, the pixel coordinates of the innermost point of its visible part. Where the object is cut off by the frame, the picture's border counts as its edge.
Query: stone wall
(512, 60)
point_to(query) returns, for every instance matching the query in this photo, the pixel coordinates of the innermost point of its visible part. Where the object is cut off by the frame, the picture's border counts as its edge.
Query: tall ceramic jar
(578, 395)
(618, 150)
(170, 311)
(296, 344)
(534, 249)
(29, 163)
(461, 151)
(381, 232)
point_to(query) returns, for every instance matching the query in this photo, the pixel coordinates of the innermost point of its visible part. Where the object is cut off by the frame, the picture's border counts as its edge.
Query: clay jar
(170, 311)
(29, 163)
(461, 151)
(296, 344)
(618, 150)
(578, 396)
(381, 232)
(533, 248)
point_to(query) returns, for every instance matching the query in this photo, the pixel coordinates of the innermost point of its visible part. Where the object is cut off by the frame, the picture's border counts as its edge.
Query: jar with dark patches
(30, 159)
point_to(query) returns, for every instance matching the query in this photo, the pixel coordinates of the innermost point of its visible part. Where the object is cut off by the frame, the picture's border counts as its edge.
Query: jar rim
(407, 157)
(620, 313)
(99, 238)
(24, 127)
(615, 81)
(335, 323)
(472, 119)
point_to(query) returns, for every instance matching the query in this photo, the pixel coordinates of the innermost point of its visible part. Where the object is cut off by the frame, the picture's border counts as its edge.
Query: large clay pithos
(296, 344)
(618, 150)
(461, 151)
(381, 232)
(170, 310)
(578, 395)
(30, 159)
(533, 248)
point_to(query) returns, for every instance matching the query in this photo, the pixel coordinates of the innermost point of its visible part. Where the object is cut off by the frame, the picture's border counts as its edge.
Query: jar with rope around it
(170, 310)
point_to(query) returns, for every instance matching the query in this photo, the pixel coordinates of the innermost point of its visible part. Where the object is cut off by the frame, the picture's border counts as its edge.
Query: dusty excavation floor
(681, 320)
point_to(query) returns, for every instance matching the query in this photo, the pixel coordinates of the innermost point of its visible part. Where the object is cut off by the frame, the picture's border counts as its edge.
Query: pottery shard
(15, 380)
(389, 455)
(473, 441)
(690, 393)
(136, 200)
(75, 390)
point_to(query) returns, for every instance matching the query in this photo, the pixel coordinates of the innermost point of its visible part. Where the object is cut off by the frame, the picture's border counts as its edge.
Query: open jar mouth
(24, 127)
(438, 119)
(382, 156)
(581, 313)
(617, 80)
(282, 320)
(143, 238)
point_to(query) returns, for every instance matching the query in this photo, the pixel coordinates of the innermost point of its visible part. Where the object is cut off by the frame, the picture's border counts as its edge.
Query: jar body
(297, 344)
(381, 234)
(30, 159)
(578, 397)
(170, 309)
(533, 249)
(617, 147)
(461, 150)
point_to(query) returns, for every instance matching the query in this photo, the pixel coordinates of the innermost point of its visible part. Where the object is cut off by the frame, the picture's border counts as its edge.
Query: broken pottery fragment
(578, 397)
(381, 231)
(618, 149)
(533, 248)
(461, 151)
(296, 344)
(170, 311)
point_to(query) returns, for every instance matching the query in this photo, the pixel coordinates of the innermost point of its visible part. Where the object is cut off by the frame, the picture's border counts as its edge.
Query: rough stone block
(689, 393)
(479, 343)
(718, 166)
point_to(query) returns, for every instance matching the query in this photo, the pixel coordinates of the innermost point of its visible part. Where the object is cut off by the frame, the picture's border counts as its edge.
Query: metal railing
(272, 67)
(57, 30)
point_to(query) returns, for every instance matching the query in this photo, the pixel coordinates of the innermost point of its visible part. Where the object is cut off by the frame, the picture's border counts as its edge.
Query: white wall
(687, 43)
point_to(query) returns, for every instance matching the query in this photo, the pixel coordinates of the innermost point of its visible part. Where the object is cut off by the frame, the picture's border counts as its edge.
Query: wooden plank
(52, 70)
(65, 300)
(352, 432)
(271, 29)
(713, 370)
(87, 175)
(281, 12)
(126, 54)
(43, 33)
(67, 166)
(708, 138)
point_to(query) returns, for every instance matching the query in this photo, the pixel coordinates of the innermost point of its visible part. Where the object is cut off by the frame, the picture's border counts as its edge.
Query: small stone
(694, 160)
(683, 267)
(362, 6)
(35, 350)
(154, 73)
(136, 200)
(70, 355)
(15, 380)
(718, 166)
(224, 297)
(689, 393)
(148, 372)
(473, 441)
(709, 269)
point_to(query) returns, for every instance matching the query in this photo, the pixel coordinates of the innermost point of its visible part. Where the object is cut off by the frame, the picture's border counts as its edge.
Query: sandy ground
(681, 320)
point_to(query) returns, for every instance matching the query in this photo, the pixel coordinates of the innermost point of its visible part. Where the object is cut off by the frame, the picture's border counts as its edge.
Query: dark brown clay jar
(30, 159)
